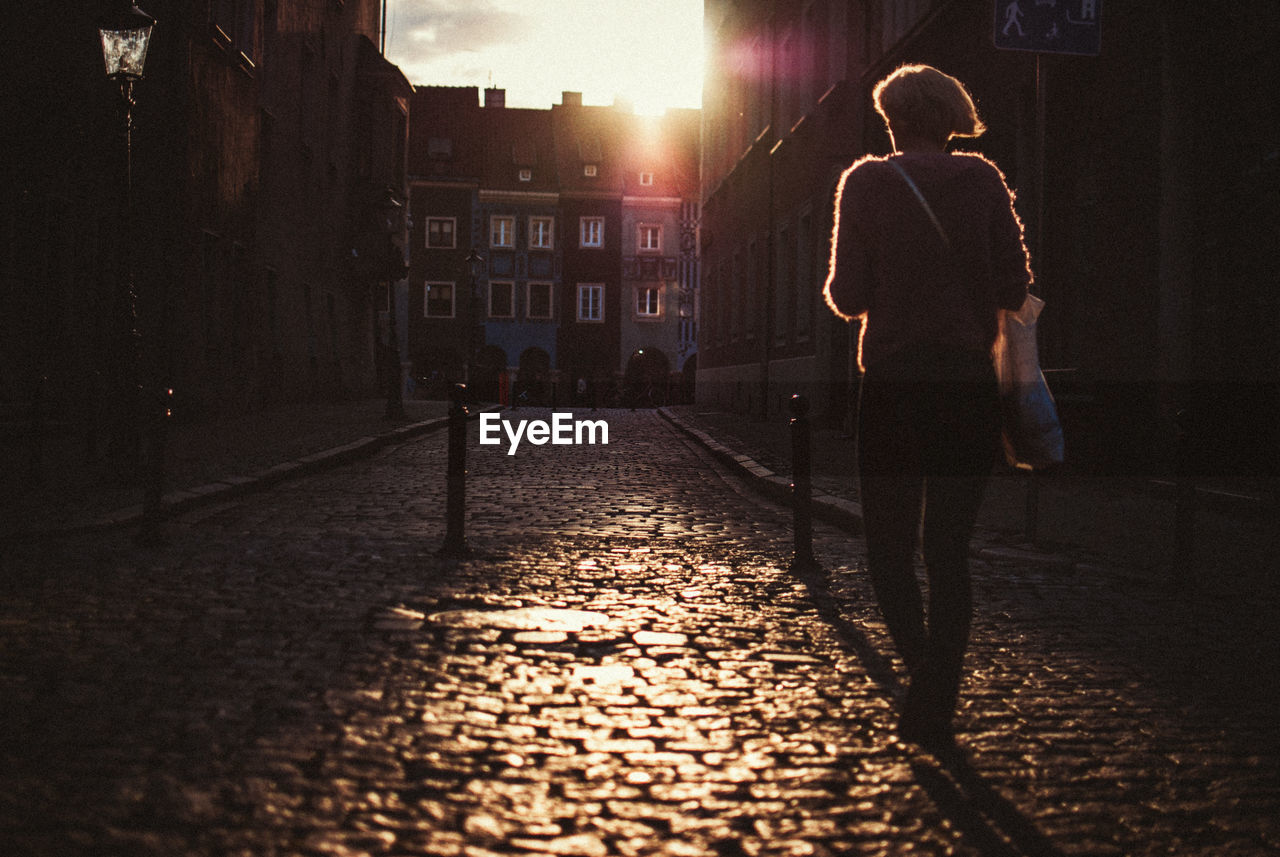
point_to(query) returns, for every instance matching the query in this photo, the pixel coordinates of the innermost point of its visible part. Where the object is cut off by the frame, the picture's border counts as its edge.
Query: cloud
(423, 31)
(648, 53)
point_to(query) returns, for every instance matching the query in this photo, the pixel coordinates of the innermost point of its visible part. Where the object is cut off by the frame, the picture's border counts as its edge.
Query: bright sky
(647, 52)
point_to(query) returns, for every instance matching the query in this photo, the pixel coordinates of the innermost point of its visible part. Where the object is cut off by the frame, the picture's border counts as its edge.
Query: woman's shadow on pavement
(985, 818)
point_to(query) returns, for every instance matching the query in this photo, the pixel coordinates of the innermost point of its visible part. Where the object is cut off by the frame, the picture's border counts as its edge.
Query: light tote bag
(1031, 432)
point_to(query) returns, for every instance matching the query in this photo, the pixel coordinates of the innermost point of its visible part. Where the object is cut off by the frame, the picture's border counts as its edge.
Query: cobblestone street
(625, 666)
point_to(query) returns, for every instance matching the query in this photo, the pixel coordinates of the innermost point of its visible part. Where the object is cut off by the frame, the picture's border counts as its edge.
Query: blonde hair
(926, 102)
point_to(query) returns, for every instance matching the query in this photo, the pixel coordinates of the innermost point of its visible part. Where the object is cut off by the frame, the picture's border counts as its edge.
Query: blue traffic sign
(1049, 26)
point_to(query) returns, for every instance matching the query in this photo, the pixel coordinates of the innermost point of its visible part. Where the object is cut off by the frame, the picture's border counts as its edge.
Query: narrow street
(626, 665)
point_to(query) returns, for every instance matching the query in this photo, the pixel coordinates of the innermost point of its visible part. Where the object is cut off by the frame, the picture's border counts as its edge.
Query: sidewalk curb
(846, 514)
(232, 486)
(842, 513)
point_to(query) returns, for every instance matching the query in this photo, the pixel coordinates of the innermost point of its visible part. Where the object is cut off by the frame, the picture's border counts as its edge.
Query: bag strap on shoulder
(924, 203)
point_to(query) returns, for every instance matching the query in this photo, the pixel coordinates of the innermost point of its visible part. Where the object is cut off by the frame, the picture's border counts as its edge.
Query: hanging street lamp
(125, 33)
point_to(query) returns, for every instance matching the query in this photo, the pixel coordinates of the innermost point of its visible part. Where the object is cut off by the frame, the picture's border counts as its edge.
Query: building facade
(660, 262)
(590, 152)
(265, 133)
(1146, 176)
(551, 205)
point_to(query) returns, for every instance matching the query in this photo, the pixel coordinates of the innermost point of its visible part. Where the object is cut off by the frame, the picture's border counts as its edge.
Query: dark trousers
(928, 437)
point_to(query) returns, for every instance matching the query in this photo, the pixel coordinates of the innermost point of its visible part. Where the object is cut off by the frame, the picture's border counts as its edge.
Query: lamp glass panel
(124, 52)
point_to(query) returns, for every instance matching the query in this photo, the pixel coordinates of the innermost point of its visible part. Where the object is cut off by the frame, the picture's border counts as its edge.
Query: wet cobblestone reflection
(625, 667)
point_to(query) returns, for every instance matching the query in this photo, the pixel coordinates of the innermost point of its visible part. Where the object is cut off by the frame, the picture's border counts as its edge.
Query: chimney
(495, 97)
(571, 99)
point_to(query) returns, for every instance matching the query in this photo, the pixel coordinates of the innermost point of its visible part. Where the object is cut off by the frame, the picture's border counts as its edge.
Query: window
(589, 170)
(539, 303)
(526, 175)
(438, 300)
(541, 231)
(502, 265)
(646, 179)
(502, 232)
(502, 300)
(592, 231)
(648, 301)
(649, 238)
(440, 232)
(541, 265)
(439, 148)
(590, 302)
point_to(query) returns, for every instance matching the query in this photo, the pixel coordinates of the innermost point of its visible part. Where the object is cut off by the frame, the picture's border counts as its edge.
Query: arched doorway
(491, 363)
(645, 383)
(533, 378)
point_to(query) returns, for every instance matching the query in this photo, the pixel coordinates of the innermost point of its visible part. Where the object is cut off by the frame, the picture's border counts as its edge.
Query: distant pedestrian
(925, 259)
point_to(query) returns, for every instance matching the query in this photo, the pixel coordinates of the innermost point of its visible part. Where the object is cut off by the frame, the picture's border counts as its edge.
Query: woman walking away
(926, 251)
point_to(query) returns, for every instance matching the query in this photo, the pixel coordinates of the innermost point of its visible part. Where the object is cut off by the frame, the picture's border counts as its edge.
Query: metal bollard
(801, 485)
(455, 538)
